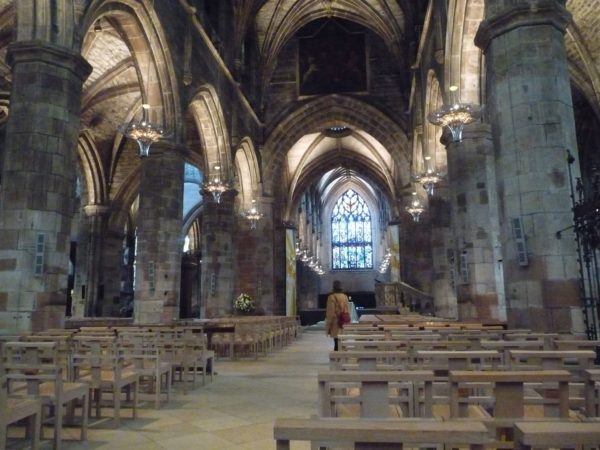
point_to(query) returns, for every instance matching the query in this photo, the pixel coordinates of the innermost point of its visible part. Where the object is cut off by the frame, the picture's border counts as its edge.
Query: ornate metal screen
(351, 236)
(586, 212)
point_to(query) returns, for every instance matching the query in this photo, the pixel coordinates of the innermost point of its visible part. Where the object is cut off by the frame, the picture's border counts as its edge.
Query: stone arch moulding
(143, 33)
(93, 170)
(432, 133)
(248, 172)
(463, 58)
(212, 129)
(333, 110)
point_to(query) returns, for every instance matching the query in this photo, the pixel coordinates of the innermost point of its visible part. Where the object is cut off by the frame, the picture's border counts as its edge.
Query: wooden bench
(379, 345)
(411, 389)
(373, 433)
(443, 361)
(368, 360)
(556, 434)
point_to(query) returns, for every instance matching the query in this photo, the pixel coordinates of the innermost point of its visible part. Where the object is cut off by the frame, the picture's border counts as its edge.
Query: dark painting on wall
(332, 61)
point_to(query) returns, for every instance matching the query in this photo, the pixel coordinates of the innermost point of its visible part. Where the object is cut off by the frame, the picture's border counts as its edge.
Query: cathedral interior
(160, 157)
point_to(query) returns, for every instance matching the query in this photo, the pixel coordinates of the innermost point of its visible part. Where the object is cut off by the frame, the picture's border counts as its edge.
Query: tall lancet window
(351, 237)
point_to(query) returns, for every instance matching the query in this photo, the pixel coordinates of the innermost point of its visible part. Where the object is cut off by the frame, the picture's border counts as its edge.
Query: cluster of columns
(509, 186)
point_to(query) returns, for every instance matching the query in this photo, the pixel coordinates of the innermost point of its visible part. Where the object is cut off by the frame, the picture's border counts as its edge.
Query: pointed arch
(210, 122)
(432, 133)
(93, 170)
(247, 171)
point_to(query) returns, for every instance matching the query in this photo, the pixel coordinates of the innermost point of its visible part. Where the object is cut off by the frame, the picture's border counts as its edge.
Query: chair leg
(58, 419)
(117, 404)
(84, 416)
(36, 425)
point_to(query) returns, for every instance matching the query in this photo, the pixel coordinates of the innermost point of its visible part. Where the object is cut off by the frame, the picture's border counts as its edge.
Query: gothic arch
(92, 169)
(139, 26)
(212, 129)
(248, 172)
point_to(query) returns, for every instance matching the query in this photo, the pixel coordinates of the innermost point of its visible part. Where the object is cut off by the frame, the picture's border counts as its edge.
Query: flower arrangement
(244, 304)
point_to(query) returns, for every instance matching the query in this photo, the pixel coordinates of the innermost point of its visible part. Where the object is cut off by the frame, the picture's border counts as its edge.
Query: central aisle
(234, 412)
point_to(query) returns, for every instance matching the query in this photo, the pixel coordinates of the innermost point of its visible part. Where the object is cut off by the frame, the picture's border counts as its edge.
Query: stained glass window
(351, 238)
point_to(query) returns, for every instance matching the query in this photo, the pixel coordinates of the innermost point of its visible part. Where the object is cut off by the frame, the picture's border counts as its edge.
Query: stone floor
(234, 412)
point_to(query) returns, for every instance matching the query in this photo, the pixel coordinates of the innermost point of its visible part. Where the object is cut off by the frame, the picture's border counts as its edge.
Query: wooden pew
(369, 360)
(379, 345)
(537, 435)
(373, 433)
(509, 396)
(442, 361)
(412, 391)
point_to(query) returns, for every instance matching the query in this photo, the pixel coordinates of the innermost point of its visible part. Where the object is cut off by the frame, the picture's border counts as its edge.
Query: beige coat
(336, 303)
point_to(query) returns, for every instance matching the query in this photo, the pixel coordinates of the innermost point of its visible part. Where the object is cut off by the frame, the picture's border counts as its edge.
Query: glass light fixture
(144, 132)
(253, 215)
(215, 185)
(455, 116)
(429, 179)
(415, 209)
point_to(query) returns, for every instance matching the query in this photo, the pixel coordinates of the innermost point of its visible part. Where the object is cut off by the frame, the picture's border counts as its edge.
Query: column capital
(46, 52)
(503, 16)
(162, 148)
(96, 210)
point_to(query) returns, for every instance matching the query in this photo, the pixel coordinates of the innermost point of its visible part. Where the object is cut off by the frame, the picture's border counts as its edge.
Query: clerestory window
(351, 236)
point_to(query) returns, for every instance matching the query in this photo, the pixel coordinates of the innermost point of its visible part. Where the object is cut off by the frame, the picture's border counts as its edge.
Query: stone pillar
(88, 268)
(475, 223)
(159, 236)
(254, 259)
(38, 184)
(217, 257)
(530, 110)
(443, 287)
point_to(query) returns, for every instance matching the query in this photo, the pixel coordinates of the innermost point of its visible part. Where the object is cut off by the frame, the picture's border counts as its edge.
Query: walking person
(338, 312)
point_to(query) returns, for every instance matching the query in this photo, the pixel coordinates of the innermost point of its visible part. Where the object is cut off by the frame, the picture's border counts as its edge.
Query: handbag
(343, 319)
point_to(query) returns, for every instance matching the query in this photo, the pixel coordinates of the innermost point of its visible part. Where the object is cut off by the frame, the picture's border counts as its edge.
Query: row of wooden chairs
(78, 368)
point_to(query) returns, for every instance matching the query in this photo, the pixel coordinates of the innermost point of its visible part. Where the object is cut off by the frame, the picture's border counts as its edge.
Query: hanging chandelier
(144, 132)
(428, 180)
(415, 209)
(215, 185)
(455, 116)
(253, 215)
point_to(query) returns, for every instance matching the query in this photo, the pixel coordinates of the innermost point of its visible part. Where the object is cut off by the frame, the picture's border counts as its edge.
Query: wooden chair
(141, 352)
(381, 433)
(32, 368)
(97, 360)
(13, 410)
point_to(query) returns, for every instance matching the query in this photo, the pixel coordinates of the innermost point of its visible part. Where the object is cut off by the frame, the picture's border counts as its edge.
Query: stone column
(254, 259)
(475, 223)
(159, 236)
(530, 109)
(217, 257)
(88, 268)
(38, 184)
(443, 287)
